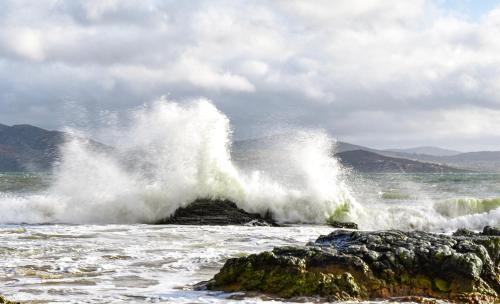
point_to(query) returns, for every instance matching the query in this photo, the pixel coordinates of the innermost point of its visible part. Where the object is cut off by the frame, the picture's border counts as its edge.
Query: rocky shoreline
(360, 265)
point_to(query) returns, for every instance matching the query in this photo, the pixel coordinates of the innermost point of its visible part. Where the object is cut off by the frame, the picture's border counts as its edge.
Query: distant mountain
(475, 156)
(366, 161)
(428, 150)
(487, 161)
(342, 146)
(273, 140)
(398, 153)
(29, 148)
(25, 147)
(482, 161)
(363, 159)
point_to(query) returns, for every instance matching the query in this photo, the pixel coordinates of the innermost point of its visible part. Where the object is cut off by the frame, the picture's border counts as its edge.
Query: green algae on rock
(356, 265)
(280, 272)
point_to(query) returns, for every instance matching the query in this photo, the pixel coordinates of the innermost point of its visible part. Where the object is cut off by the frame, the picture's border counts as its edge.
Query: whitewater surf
(171, 154)
(168, 154)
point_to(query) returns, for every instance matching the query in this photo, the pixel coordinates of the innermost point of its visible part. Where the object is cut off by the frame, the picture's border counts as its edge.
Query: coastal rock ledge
(357, 265)
(217, 212)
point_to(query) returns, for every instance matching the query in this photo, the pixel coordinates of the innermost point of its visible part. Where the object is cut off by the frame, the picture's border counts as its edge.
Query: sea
(85, 233)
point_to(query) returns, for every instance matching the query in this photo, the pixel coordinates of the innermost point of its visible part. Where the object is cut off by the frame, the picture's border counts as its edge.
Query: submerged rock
(345, 225)
(217, 212)
(356, 265)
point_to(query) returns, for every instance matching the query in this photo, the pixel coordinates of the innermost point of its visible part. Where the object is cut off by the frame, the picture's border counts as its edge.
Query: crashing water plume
(172, 154)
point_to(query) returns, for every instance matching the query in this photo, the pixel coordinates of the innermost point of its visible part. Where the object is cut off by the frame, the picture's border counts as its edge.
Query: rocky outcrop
(356, 265)
(493, 231)
(343, 225)
(5, 301)
(217, 212)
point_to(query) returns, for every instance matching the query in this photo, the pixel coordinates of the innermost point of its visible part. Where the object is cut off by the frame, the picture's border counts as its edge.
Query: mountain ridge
(427, 150)
(486, 161)
(385, 161)
(25, 147)
(376, 163)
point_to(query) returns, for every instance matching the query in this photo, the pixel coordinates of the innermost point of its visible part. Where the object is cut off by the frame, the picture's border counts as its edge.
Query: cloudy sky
(385, 73)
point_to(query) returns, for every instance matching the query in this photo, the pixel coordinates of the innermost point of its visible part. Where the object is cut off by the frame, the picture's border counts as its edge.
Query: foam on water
(424, 216)
(466, 206)
(430, 202)
(129, 263)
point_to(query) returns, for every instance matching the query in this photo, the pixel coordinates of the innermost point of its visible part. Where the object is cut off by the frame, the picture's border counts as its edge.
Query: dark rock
(488, 230)
(217, 212)
(5, 301)
(464, 232)
(356, 265)
(346, 225)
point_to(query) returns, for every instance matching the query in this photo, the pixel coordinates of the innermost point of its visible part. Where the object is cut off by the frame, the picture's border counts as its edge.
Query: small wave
(395, 195)
(423, 216)
(466, 206)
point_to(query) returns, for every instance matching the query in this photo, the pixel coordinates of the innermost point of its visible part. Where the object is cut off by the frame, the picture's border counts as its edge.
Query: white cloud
(24, 43)
(311, 63)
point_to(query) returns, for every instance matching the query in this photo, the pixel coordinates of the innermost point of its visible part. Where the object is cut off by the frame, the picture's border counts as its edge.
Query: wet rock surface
(5, 301)
(488, 230)
(344, 225)
(357, 265)
(217, 212)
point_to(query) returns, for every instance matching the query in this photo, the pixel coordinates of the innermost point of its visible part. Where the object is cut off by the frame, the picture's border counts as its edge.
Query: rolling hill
(366, 161)
(481, 161)
(427, 150)
(30, 148)
(360, 158)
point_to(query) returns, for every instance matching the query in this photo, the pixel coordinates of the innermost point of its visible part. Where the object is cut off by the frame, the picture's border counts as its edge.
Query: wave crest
(172, 154)
(466, 206)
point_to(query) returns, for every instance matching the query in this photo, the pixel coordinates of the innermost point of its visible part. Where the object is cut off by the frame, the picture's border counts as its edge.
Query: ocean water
(430, 202)
(82, 233)
(140, 263)
(128, 263)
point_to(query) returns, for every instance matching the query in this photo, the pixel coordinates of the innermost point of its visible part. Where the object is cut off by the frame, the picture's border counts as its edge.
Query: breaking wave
(425, 216)
(171, 153)
(466, 206)
(174, 153)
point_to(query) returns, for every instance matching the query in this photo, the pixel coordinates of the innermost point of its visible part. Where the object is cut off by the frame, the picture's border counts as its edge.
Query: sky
(385, 73)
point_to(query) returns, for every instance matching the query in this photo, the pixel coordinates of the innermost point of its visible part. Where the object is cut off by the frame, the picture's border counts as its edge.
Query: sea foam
(172, 154)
